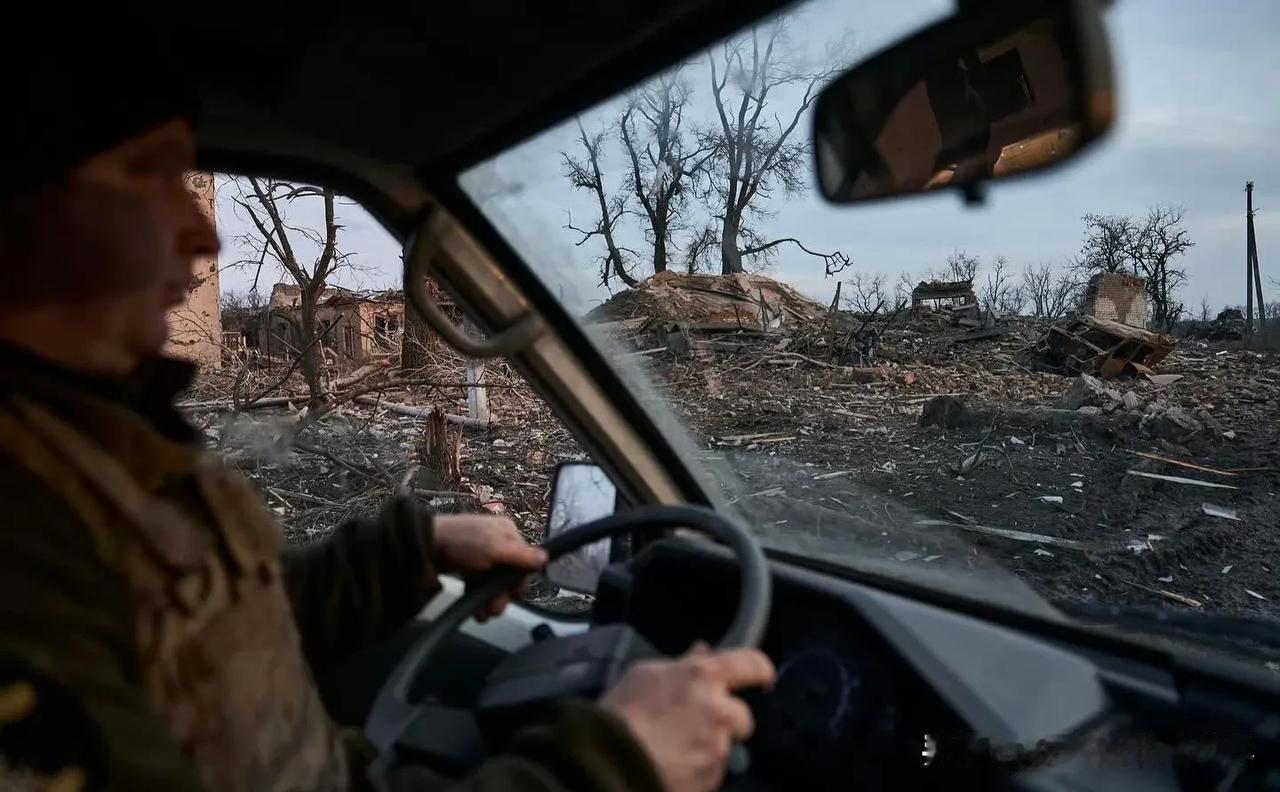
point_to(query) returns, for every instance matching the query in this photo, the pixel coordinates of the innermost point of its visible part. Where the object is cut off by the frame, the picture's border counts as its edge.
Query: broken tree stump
(440, 454)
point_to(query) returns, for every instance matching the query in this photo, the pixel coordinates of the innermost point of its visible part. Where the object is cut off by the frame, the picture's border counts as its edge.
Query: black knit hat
(71, 93)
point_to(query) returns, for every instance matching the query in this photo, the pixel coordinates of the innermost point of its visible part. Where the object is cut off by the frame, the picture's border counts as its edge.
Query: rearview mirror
(1000, 89)
(581, 493)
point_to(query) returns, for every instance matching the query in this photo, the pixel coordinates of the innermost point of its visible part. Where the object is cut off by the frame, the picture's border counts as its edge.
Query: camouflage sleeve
(362, 583)
(71, 707)
(47, 739)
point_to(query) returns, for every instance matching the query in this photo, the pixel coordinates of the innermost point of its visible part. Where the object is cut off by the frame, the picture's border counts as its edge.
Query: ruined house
(356, 326)
(195, 327)
(1117, 298)
(365, 325)
(934, 295)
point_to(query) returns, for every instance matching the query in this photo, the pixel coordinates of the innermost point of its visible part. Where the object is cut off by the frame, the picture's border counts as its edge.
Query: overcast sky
(1197, 118)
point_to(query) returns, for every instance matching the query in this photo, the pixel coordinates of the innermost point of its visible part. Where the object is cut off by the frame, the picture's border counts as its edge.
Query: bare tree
(1205, 313)
(1000, 295)
(267, 203)
(960, 266)
(1147, 248)
(1159, 240)
(866, 293)
(1108, 245)
(241, 302)
(1051, 293)
(903, 288)
(663, 159)
(756, 154)
(243, 311)
(585, 175)
(698, 250)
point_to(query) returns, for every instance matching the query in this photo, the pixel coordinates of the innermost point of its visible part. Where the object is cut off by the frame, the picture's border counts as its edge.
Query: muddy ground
(1139, 540)
(1052, 495)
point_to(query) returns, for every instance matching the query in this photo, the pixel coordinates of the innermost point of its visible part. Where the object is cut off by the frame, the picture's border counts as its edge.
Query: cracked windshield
(1065, 395)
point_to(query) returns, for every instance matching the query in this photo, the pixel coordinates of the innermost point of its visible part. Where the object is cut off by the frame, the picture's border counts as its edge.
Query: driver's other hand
(470, 544)
(684, 712)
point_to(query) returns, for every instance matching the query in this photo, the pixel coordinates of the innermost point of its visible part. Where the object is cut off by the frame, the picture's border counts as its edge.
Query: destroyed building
(711, 313)
(936, 295)
(355, 325)
(954, 298)
(195, 327)
(1117, 298)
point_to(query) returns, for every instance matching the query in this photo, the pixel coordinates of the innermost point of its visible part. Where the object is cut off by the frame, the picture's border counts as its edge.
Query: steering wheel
(393, 713)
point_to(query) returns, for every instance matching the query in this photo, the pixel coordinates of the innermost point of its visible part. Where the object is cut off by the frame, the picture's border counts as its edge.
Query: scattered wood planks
(1180, 480)
(1005, 533)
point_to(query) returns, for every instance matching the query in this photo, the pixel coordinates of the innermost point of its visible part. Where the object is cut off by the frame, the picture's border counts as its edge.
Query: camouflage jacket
(155, 635)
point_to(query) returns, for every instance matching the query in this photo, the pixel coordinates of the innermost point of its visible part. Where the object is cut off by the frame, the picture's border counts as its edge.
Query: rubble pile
(741, 299)
(317, 473)
(1084, 432)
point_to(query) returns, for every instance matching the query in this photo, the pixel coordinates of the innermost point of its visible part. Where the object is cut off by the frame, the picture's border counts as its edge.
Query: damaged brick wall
(1119, 298)
(195, 327)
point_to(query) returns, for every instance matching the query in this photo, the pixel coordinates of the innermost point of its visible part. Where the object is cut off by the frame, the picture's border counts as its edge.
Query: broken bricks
(1088, 391)
(1168, 421)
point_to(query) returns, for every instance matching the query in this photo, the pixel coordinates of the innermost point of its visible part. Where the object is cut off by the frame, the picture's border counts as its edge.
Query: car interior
(883, 683)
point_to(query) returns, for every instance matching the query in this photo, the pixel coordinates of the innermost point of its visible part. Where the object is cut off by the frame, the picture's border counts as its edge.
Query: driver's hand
(469, 544)
(684, 712)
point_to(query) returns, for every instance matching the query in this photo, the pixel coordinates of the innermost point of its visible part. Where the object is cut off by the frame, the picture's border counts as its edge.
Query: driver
(153, 633)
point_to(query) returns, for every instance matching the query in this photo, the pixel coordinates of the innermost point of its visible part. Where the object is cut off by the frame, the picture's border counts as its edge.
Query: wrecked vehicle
(1229, 325)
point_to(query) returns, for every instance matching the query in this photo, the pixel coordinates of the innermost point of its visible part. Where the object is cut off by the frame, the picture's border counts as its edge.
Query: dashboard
(876, 691)
(843, 713)
(879, 691)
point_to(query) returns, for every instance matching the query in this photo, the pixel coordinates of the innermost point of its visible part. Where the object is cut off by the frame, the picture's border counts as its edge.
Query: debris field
(1153, 487)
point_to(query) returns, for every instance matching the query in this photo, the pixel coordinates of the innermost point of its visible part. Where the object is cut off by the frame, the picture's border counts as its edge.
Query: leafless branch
(585, 175)
(834, 262)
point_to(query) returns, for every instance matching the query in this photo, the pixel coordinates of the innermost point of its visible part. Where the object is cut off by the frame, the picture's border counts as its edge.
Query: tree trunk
(441, 453)
(416, 339)
(618, 269)
(730, 255)
(659, 250)
(310, 347)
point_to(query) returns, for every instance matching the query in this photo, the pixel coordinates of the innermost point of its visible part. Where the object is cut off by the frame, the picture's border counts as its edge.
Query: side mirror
(582, 492)
(1002, 88)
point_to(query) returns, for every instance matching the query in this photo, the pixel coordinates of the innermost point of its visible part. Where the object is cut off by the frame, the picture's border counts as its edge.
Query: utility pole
(1248, 260)
(1254, 267)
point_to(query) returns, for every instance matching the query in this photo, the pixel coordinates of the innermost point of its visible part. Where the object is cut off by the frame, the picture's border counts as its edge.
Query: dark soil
(845, 468)
(1139, 536)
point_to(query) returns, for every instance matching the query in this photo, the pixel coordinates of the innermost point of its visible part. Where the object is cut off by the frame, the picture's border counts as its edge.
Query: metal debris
(1100, 347)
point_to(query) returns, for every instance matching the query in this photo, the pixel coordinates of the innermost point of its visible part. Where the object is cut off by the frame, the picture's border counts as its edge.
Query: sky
(1197, 118)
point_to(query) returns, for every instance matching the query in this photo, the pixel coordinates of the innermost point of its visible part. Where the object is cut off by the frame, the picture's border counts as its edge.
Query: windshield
(883, 385)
